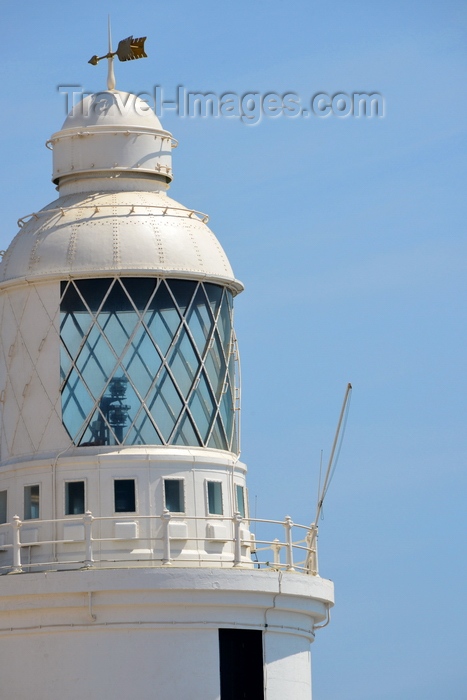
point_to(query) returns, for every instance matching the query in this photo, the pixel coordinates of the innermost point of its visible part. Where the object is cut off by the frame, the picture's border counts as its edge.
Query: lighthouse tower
(130, 565)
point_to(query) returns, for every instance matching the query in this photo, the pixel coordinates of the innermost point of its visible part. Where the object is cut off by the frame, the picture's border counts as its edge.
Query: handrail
(199, 215)
(240, 548)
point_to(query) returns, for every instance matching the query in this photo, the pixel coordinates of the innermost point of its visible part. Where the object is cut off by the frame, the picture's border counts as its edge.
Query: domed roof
(112, 163)
(112, 108)
(116, 232)
(112, 132)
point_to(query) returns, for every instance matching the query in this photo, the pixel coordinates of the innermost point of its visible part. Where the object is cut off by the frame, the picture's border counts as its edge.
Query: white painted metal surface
(124, 232)
(111, 132)
(152, 633)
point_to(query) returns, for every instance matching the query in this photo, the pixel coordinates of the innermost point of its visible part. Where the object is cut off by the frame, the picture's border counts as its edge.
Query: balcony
(163, 540)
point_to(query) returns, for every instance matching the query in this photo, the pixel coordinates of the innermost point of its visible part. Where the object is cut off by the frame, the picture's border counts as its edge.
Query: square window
(125, 495)
(173, 495)
(74, 497)
(240, 495)
(3, 507)
(215, 498)
(31, 502)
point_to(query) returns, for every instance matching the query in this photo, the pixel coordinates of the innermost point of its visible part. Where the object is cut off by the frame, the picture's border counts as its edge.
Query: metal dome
(110, 108)
(108, 133)
(116, 232)
(112, 163)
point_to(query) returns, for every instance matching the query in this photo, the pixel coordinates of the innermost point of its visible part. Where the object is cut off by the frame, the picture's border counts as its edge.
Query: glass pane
(217, 439)
(117, 300)
(124, 496)
(140, 290)
(185, 433)
(215, 366)
(224, 324)
(173, 493)
(202, 408)
(142, 432)
(93, 291)
(215, 498)
(227, 413)
(31, 502)
(184, 363)
(76, 404)
(74, 497)
(71, 301)
(3, 507)
(118, 328)
(233, 447)
(183, 291)
(162, 318)
(165, 405)
(200, 320)
(240, 493)
(97, 432)
(96, 362)
(118, 402)
(73, 328)
(141, 362)
(214, 293)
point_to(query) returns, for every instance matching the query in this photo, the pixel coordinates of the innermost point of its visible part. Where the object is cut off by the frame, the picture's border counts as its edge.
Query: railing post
(312, 544)
(167, 559)
(237, 520)
(276, 548)
(88, 558)
(288, 525)
(16, 527)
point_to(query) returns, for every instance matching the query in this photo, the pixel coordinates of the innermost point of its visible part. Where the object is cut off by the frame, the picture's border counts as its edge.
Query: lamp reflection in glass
(114, 411)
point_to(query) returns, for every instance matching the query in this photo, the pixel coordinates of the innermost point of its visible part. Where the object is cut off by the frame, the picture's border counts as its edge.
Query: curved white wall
(152, 633)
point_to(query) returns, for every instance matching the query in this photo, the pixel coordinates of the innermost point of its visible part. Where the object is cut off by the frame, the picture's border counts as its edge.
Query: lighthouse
(130, 564)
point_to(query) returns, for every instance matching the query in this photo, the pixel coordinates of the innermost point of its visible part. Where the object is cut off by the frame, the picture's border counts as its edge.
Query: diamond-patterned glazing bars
(148, 361)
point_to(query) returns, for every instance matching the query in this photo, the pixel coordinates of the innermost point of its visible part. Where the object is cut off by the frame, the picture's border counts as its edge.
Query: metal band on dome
(204, 218)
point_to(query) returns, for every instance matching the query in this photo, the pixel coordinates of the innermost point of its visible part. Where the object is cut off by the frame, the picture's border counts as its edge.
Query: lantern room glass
(147, 361)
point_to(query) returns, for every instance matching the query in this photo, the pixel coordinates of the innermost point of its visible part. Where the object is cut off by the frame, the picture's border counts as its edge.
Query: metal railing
(129, 209)
(239, 548)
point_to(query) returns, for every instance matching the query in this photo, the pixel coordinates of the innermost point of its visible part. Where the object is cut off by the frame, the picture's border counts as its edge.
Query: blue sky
(349, 235)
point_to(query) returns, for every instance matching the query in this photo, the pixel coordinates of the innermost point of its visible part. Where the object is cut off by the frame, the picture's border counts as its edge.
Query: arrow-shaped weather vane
(128, 49)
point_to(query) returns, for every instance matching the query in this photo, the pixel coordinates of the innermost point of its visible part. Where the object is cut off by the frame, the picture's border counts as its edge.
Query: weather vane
(128, 49)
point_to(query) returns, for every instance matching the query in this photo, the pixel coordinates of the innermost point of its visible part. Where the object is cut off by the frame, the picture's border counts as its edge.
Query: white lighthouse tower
(129, 567)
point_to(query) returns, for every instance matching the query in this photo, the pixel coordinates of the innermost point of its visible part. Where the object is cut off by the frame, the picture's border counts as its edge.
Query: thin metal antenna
(110, 60)
(320, 474)
(327, 478)
(327, 481)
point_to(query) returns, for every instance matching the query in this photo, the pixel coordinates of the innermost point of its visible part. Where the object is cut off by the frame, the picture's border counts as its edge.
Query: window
(173, 495)
(147, 362)
(240, 495)
(125, 496)
(31, 502)
(3, 507)
(74, 497)
(215, 498)
(241, 664)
